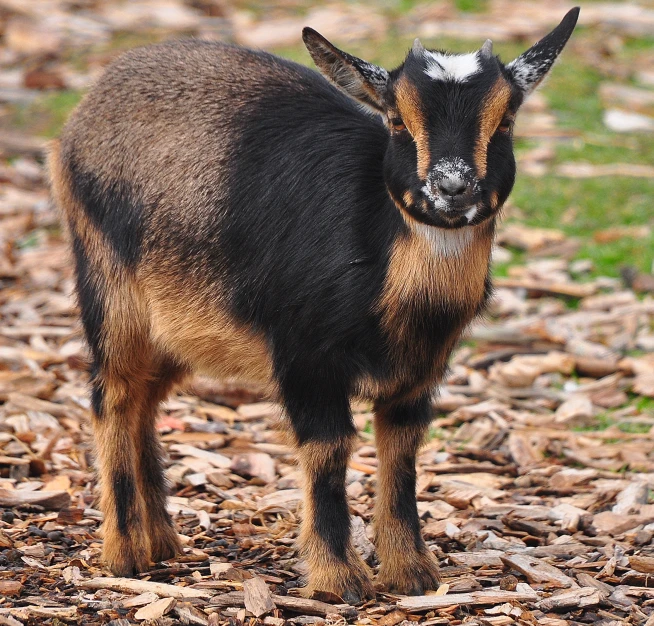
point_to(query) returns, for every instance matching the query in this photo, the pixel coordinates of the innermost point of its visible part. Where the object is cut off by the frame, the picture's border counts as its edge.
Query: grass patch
(437, 433)
(47, 114)
(644, 404)
(602, 421)
(471, 6)
(635, 428)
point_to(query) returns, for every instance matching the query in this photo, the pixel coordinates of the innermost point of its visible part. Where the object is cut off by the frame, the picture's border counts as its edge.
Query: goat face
(449, 161)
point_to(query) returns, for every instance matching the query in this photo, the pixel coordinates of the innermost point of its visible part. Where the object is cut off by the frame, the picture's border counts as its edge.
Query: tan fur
(133, 387)
(408, 198)
(405, 568)
(419, 274)
(411, 111)
(192, 324)
(492, 111)
(327, 573)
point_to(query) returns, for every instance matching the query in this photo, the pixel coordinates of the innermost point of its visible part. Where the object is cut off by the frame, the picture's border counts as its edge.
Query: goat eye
(397, 124)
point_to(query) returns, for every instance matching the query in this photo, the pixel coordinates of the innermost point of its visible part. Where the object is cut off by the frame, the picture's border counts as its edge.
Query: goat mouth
(468, 211)
(457, 218)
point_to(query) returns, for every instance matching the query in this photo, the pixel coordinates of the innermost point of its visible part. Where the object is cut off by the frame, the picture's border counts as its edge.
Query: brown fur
(493, 110)
(418, 275)
(203, 333)
(411, 111)
(134, 380)
(407, 566)
(326, 572)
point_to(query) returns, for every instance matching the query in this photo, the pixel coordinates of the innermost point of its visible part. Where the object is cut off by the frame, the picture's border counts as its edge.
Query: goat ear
(359, 79)
(529, 69)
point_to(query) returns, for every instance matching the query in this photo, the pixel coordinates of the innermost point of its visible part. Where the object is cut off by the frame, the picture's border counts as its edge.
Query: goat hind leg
(126, 547)
(164, 540)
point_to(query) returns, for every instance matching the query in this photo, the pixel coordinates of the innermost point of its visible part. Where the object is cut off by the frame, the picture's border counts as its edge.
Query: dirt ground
(535, 487)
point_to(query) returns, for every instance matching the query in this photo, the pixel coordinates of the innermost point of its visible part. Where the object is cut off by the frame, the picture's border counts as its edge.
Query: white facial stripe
(457, 67)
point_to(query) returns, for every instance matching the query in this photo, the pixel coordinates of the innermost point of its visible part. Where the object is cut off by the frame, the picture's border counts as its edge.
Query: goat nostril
(452, 186)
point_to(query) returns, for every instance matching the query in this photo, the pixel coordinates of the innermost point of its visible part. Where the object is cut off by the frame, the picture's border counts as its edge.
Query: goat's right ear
(529, 69)
(359, 79)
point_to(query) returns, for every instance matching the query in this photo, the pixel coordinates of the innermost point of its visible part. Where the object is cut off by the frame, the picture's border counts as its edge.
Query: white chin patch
(456, 67)
(471, 214)
(445, 242)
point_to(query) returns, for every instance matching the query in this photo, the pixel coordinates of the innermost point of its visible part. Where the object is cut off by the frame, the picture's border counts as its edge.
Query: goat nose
(452, 186)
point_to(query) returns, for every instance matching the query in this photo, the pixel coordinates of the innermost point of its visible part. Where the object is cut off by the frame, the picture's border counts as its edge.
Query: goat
(234, 213)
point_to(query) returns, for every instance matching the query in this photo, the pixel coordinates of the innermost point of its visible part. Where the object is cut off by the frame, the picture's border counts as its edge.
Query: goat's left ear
(529, 69)
(359, 79)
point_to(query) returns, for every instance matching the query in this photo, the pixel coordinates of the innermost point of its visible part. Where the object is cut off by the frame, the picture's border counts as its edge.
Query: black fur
(90, 300)
(414, 419)
(97, 391)
(114, 207)
(124, 498)
(331, 514)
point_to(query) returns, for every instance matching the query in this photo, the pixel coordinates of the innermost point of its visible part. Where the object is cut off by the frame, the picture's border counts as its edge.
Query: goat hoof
(350, 582)
(412, 577)
(125, 555)
(352, 597)
(165, 544)
(128, 566)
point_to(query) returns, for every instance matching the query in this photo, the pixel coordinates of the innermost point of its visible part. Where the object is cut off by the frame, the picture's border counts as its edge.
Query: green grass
(596, 203)
(437, 433)
(602, 421)
(605, 420)
(644, 404)
(635, 428)
(47, 114)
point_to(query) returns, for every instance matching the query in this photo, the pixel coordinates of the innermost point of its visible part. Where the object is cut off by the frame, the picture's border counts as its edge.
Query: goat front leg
(407, 565)
(324, 436)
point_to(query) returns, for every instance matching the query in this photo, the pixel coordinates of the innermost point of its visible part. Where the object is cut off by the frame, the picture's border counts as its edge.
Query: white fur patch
(471, 214)
(445, 242)
(456, 168)
(438, 202)
(527, 72)
(457, 67)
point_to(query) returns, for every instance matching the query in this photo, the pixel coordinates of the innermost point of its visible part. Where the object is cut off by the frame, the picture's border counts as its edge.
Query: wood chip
(51, 500)
(257, 597)
(129, 585)
(303, 606)
(155, 610)
(538, 571)
(476, 598)
(579, 598)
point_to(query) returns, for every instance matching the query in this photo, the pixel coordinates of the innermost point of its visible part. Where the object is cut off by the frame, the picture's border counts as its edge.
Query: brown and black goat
(234, 213)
